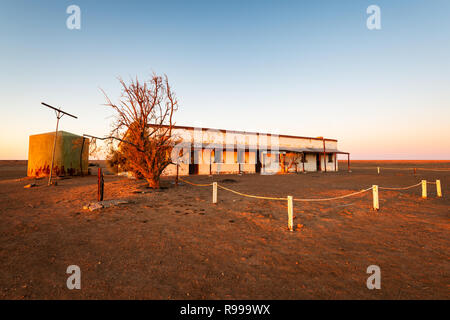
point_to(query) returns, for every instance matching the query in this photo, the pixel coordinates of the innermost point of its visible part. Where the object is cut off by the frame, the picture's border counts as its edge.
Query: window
(218, 156)
(301, 158)
(330, 157)
(240, 156)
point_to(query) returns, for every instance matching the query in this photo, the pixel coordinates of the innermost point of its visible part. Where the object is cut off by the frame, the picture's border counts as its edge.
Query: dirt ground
(175, 244)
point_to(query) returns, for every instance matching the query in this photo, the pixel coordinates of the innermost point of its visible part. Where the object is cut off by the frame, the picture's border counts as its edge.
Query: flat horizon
(339, 160)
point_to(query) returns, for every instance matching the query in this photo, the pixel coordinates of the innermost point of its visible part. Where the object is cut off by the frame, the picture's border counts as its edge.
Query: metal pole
(210, 162)
(81, 156)
(99, 172)
(101, 184)
(335, 162)
(59, 115)
(54, 147)
(303, 162)
(348, 155)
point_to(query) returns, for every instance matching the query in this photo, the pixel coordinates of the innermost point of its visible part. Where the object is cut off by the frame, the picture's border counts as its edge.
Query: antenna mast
(59, 114)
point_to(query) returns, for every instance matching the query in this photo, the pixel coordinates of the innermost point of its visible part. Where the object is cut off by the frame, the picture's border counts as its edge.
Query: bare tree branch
(143, 125)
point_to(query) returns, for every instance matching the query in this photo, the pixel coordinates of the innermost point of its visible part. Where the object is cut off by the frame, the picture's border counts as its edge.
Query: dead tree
(294, 159)
(143, 126)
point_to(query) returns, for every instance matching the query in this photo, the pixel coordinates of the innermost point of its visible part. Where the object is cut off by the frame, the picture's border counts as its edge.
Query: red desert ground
(174, 243)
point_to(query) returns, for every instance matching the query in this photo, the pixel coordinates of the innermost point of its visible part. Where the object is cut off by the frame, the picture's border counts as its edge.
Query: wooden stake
(414, 170)
(438, 188)
(378, 169)
(176, 178)
(376, 203)
(214, 195)
(290, 213)
(424, 189)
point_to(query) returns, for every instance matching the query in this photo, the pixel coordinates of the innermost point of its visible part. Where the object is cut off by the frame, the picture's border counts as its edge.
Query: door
(193, 164)
(258, 162)
(318, 163)
(282, 160)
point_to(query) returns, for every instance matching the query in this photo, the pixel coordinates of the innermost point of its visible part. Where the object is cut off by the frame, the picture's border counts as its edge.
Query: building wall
(216, 138)
(230, 137)
(270, 167)
(310, 164)
(171, 170)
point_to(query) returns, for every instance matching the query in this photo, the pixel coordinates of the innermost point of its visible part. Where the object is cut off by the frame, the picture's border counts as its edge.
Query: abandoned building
(71, 154)
(216, 151)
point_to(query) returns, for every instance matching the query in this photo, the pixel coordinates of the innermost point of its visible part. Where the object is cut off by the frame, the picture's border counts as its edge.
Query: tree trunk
(153, 182)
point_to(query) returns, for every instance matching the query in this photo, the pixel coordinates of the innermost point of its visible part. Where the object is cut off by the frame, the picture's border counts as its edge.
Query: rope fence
(400, 188)
(196, 184)
(335, 198)
(290, 199)
(249, 195)
(414, 169)
(438, 170)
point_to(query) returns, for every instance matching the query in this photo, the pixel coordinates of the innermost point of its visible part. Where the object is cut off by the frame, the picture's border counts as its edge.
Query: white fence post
(214, 195)
(438, 188)
(424, 189)
(376, 203)
(290, 213)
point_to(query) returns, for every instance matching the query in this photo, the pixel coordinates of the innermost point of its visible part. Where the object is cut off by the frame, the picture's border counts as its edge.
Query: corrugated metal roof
(315, 150)
(249, 132)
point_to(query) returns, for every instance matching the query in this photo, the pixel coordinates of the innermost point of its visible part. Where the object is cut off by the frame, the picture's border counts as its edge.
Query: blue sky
(309, 68)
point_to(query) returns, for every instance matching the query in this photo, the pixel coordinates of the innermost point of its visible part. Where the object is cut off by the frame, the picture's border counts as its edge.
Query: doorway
(282, 161)
(193, 163)
(318, 164)
(258, 162)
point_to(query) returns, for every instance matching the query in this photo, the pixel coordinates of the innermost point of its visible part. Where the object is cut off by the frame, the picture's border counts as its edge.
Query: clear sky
(309, 68)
